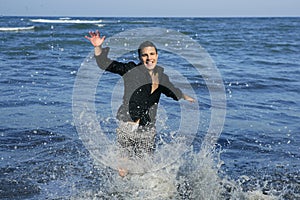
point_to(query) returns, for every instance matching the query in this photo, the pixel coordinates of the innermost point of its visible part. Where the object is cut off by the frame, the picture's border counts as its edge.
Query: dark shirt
(138, 101)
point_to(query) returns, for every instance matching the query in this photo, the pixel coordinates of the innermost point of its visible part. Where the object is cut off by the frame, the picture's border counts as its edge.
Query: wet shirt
(138, 101)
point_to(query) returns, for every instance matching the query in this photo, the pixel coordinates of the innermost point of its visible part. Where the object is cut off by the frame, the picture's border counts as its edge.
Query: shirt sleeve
(169, 89)
(113, 66)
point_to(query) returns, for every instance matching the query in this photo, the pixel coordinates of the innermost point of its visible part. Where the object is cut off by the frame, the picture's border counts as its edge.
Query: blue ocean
(58, 109)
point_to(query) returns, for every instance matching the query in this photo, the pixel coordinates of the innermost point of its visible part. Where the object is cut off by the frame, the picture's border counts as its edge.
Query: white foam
(17, 28)
(66, 21)
(100, 25)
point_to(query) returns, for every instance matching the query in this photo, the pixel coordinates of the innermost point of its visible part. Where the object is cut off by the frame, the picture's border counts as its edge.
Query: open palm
(95, 38)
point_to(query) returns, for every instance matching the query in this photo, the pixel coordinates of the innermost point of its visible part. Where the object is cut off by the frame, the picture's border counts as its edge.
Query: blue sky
(138, 8)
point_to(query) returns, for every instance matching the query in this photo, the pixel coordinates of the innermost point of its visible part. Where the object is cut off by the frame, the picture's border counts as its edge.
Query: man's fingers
(91, 33)
(87, 37)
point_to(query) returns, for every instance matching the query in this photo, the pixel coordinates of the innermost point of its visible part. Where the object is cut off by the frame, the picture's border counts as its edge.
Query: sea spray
(168, 173)
(191, 175)
(200, 173)
(195, 175)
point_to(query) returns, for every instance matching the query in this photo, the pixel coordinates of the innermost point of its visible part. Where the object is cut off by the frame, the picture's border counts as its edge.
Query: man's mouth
(149, 62)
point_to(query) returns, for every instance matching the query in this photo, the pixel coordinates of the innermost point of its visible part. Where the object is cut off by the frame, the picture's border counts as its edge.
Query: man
(143, 85)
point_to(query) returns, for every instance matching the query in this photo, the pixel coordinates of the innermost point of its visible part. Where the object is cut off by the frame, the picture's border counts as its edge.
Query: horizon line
(159, 16)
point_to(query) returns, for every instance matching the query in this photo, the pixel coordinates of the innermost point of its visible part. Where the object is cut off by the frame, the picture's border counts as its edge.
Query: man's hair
(146, 44)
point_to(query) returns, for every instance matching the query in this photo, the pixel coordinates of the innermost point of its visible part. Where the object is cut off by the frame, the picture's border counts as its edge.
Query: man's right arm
(101, 55)
(105, 63)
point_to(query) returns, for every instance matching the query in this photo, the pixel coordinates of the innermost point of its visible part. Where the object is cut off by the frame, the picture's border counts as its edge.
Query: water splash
(195, 175)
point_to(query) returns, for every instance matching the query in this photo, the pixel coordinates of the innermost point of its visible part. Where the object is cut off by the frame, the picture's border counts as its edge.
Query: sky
(152, 8)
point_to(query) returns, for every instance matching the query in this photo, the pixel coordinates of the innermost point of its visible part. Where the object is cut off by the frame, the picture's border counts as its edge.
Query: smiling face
(148, 57)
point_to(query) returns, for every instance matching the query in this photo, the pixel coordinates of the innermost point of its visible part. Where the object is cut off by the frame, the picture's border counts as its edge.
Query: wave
(136, 22)
(66, 21)
(17, 28)
(100, 25)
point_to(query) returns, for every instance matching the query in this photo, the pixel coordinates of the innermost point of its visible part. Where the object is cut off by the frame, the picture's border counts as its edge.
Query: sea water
(43, 153)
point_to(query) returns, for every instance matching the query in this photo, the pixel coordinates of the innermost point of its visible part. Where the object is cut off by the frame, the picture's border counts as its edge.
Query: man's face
(149, 57)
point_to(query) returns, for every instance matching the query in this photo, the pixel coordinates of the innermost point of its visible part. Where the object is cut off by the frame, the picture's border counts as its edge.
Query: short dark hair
(144, 45)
